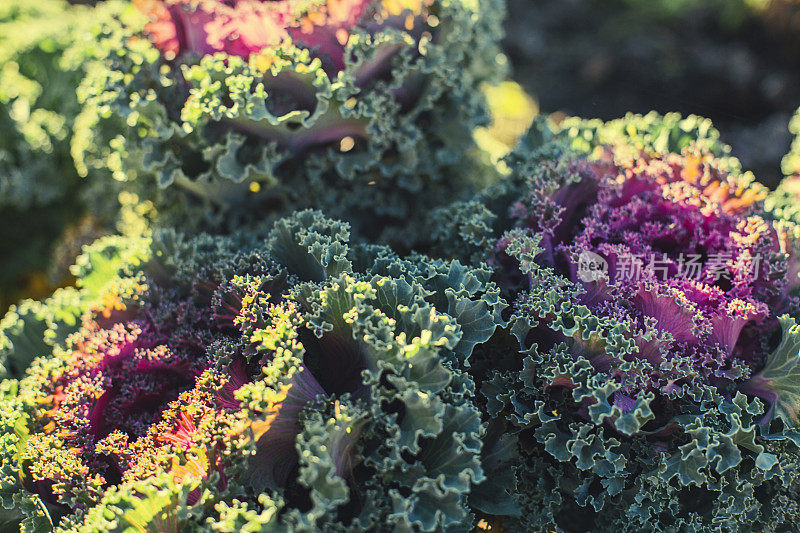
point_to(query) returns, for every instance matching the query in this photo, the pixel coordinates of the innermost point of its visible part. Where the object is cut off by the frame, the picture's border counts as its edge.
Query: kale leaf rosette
(288, 382)
(654, 302)
(230, 111)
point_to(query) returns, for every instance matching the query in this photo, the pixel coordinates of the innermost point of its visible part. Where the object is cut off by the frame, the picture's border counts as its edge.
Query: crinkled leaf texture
(778, 383)
(652, 132)
(33, 328)
(615, 428)
(222, 139)
(250, 384)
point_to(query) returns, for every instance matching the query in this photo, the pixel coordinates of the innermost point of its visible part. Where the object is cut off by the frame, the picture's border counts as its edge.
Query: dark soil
(603, 58)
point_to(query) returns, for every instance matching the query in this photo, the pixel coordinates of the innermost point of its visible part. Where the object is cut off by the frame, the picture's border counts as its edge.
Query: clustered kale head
(654, 300)
(228, 112)
(604, 340)
(283, 382)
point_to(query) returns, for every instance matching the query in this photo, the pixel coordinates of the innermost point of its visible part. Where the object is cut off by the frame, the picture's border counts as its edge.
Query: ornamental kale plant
(247, 384)
(223, 112)
(654, 302)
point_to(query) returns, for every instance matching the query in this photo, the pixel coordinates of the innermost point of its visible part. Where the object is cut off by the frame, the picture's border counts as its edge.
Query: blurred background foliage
(43, 219)
(736, 62)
